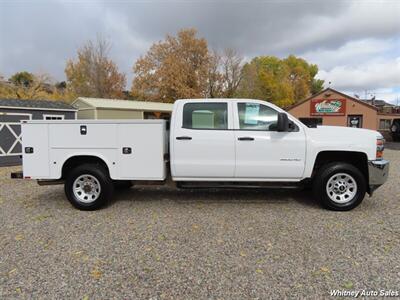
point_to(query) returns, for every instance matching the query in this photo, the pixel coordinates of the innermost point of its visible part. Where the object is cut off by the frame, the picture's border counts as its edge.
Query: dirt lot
(161, 243)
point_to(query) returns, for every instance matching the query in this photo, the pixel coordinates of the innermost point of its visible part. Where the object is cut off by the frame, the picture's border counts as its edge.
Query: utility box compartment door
(141, 151)
(35, 149)
(82, 135)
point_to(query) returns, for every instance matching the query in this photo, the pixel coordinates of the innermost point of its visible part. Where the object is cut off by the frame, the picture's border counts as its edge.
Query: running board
(50, 182)
(237, 185)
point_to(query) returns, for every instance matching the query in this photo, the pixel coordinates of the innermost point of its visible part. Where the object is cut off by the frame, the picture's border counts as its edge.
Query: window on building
(255, 116)
(355, 121)
(53, 117)
(311, 122)
(157, 115)
(205, 116)
(384, 124)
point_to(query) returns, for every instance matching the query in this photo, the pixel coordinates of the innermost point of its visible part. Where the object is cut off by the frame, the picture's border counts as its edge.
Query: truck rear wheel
(88, 187)
(339, 186)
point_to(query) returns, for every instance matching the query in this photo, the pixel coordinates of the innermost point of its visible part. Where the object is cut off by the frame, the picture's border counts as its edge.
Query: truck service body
(215, 141)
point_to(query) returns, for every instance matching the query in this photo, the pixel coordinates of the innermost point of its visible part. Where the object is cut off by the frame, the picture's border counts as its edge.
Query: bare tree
(93, 74)
(224, 74)
(215, 78)
(231, 65)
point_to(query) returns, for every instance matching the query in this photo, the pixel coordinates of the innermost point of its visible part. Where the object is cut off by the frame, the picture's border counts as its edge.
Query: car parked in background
(395, 130)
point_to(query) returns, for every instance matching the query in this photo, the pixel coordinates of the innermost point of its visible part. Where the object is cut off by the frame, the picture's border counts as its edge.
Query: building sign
(334, 107)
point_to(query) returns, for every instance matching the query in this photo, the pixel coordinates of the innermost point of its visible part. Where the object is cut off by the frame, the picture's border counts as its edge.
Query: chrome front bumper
(378, 171)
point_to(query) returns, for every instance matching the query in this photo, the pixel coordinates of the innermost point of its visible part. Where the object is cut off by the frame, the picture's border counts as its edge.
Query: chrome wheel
(86, 188)
(341, 188)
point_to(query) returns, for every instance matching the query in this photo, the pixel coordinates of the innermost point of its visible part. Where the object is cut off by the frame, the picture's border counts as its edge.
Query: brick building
(331, 107)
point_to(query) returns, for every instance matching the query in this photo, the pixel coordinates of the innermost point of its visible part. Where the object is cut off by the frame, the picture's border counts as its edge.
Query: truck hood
(341, 130)
(337, 138)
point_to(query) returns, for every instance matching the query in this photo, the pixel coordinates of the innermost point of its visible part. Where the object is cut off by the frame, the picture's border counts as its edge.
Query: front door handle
(183, 137)
(246, 138)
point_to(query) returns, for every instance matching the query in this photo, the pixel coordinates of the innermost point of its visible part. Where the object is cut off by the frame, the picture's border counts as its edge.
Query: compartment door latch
(126, 150)
(83, 130)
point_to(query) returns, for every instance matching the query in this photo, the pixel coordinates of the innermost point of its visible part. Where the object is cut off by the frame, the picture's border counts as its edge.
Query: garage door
(10, 137)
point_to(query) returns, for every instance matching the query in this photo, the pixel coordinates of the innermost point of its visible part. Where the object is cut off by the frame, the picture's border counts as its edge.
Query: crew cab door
(202, 142)
(261, 151)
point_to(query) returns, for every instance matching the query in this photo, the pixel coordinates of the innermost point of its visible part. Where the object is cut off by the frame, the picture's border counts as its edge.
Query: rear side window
(205, 116)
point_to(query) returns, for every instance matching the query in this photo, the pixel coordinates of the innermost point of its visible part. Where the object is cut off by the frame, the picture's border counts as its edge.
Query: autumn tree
(93, 73)
(177, 67)
(39, 86)
(7, 90)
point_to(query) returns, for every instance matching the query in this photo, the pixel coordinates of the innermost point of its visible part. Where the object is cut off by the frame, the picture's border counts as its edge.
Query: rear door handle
(126, 150)
(246, 138)
(183, 137)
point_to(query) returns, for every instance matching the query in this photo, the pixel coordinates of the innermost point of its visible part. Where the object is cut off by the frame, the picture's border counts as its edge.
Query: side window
(53, 117)
(255, 116)
(205, 116)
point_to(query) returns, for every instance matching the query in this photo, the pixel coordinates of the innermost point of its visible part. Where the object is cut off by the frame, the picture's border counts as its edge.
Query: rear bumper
(378, 171)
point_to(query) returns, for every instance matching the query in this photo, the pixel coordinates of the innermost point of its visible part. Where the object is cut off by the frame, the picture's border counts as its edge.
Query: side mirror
(283, 122)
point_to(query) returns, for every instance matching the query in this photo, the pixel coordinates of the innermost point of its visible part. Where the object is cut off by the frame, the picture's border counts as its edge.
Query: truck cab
(236, 140)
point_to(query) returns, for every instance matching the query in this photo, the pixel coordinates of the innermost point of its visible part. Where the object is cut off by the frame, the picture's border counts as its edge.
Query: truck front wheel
(339, 186)
(88, 187)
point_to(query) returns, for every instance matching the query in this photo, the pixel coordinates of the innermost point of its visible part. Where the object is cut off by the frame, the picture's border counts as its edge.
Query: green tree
(302, 77)
(281, 81)
(22, 78)
(266, 78)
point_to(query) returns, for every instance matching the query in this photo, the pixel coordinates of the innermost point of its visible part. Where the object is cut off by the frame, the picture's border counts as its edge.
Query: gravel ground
(158, 243)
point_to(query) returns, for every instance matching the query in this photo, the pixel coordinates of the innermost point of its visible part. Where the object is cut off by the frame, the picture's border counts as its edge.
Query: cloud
(353, 52)
(345, 38)
(369, 66)
(359, 20)
(252, 27)
(46, 33)
(371, 75)
(40, 37)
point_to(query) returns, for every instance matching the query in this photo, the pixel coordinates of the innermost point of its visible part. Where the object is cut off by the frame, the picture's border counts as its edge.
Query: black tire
(123, 184)
(96, 171)
(326, 173)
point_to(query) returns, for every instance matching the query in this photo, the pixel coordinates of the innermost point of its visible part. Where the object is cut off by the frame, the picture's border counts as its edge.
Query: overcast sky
(356, 44)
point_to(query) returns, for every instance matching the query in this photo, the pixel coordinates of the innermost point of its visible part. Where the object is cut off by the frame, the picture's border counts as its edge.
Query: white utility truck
(210, 143)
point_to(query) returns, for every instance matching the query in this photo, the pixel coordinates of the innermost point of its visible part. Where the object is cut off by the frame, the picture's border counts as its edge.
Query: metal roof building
(99, 108)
